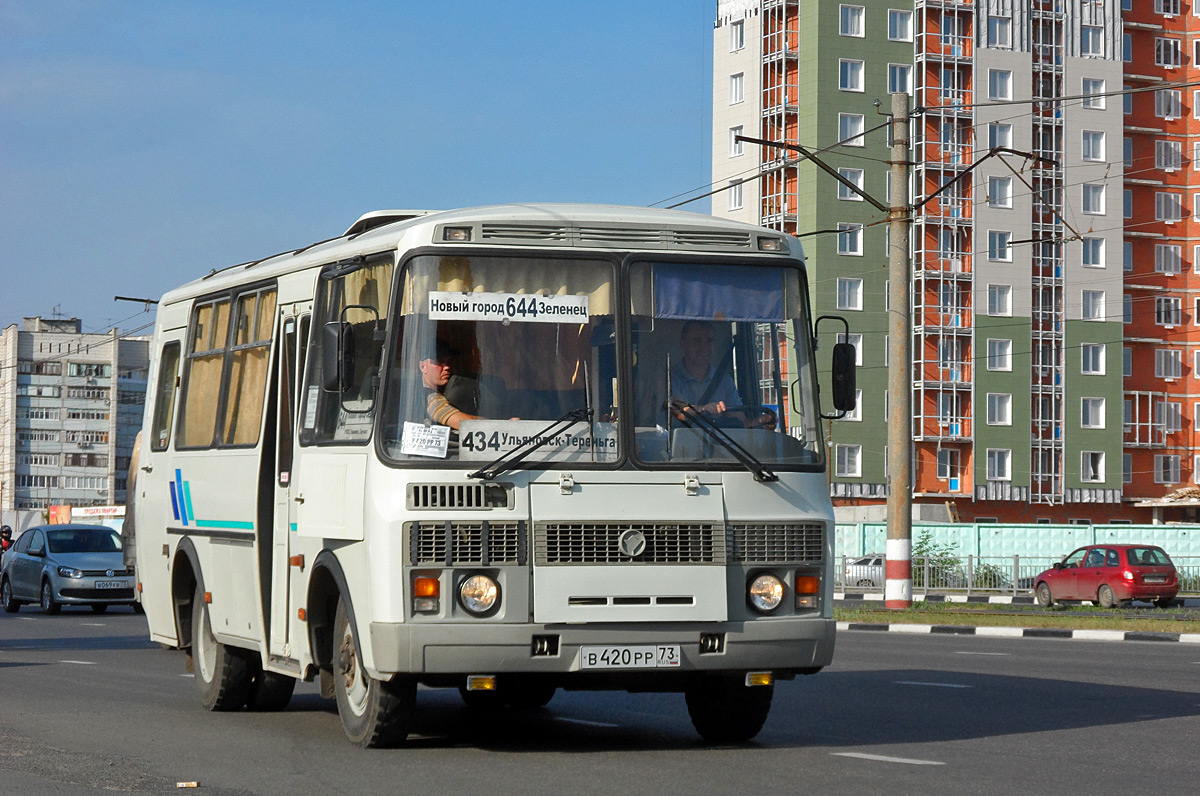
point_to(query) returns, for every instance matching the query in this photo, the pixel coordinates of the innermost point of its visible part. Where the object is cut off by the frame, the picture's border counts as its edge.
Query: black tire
(865, 582)
(1043, 595)
(11, 604)
(374, 713)
(270, 691)
(725, 710)
(99, 608)
(137, 608)
(49, 604)
(223, 673)
(1105, 597)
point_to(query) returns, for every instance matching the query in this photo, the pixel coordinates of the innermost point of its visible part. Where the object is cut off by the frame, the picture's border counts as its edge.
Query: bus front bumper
(784, 646)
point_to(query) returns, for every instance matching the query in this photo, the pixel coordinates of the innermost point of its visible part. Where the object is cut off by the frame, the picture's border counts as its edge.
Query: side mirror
(337, 356)
(844, 381)
(39, 553)
(1057, 565)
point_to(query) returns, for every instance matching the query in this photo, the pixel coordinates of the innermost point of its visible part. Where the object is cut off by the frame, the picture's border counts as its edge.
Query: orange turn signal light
(807, 584)
(426, 587)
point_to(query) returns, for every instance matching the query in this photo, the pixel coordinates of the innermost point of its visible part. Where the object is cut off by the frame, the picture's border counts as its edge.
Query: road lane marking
(187, 674)
(94, 624)
(885, 759)
(965, 652)
(934, 685)
(81, 663)
(585, 721)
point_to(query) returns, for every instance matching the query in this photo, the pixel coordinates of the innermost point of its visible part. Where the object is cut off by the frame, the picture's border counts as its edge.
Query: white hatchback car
(866, 571)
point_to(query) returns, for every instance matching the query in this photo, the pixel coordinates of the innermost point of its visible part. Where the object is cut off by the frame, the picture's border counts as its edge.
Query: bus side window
(164, 396)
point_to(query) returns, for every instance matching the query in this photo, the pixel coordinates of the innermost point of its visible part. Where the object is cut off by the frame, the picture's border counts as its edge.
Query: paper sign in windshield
(422, 440)
(511, 307)
(484, 440)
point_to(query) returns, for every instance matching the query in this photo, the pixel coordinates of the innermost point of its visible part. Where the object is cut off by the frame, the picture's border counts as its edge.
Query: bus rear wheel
(374, 713)
(725, 710)
(222, 673)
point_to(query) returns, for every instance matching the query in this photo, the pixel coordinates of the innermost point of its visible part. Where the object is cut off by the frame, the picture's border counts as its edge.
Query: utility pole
(898, 585)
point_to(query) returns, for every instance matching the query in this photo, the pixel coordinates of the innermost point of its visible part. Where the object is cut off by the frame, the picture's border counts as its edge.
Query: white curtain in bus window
(248, 371)
(205, 360)
(524, 277)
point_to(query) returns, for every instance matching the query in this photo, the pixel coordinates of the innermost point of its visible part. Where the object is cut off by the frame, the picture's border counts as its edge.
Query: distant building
(1017, 332)
(70, 409)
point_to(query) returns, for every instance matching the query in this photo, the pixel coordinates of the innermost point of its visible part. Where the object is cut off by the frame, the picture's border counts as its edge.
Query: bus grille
(599, 543)
(483, 543)
(775, 542)
(457, 496)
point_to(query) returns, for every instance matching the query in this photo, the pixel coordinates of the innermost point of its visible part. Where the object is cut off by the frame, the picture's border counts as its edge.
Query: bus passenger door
(293, 329)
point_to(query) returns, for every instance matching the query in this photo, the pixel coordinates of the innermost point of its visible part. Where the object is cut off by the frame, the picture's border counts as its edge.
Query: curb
(1023, 632)
(974, 598)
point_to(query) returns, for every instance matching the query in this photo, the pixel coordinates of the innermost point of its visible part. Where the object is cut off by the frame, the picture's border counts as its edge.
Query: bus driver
(435, 375)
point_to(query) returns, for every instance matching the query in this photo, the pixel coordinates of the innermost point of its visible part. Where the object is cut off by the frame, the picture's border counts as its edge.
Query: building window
(1091, 412)
(1168, 103)
(1000, 84)
(1127, 152)
(1167, 206)
(1167, 53)
(1168, 311)
(1093, 145)
(850, 75)
(947, 464)
(1126, 468)
(856, 341)
(1000, 191)
(999, 354)
(1093, 305)
(1168, 258)
(1093, 198)
(1169, 415)
(999, 32)
(849, 463)
(849, 239)
(737, 88)
(1000, 300)
(1127, 209)
(1092, 355)
(735, 195)
(999, 464)
(1127, 308)
(1093, 93)
(999, 246)
(1093, 252)
(854, 414)
(854, 176)
(1166, 469)
(736, 148)
(1168, 363)
(900, 27)
(1127, 361)
(737, 35)
(1160, 7)
(899, 79)
(850, 21)
(849, 293)
(999, 409)
(1127, 255)
(850, 129)
(1091, 466)
(999, 134)
(1091, 41)
(1168, 155)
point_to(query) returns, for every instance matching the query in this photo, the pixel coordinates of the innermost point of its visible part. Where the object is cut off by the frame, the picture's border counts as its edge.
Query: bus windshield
(491, 350)
(722, 365)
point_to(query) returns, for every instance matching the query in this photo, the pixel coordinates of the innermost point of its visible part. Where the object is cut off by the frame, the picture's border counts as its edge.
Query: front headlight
(479, 594)
(67, 572)
(765, 593)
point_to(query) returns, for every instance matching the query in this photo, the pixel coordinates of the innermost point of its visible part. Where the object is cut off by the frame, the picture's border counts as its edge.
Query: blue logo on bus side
(181, 498)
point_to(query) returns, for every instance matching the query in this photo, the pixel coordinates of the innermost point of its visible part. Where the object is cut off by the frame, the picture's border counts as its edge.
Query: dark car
(57, 565)
(1111, 575)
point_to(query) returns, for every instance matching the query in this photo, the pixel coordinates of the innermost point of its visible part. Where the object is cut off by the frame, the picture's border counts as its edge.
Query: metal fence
(975, 574)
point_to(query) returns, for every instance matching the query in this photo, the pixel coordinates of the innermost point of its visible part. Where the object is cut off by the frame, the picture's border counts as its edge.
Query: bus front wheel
(725, 710)
(374, 713)
(222, 673)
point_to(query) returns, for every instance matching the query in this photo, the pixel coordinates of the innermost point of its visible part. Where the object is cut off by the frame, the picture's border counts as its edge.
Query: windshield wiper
(694, 418)
(510, 459)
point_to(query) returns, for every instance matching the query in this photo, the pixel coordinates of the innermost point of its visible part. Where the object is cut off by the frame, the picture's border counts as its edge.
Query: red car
(1110, 575)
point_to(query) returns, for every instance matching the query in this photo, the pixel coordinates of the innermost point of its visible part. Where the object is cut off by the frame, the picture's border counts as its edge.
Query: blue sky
(143, 143)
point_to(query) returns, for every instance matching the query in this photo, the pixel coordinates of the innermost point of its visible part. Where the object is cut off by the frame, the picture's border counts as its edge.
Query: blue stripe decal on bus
(174, 501)
(292, 526)
(183, 508)
(238, 526)
(187, 500)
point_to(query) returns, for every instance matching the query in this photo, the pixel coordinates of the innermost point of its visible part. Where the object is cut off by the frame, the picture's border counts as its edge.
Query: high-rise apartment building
(70, 409)
(1015, 265)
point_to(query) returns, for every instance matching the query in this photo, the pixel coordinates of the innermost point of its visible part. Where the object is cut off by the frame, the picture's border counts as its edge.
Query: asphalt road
(88, 705)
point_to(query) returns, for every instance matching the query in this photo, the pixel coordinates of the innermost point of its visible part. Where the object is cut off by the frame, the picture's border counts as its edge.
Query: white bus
(504, 449)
